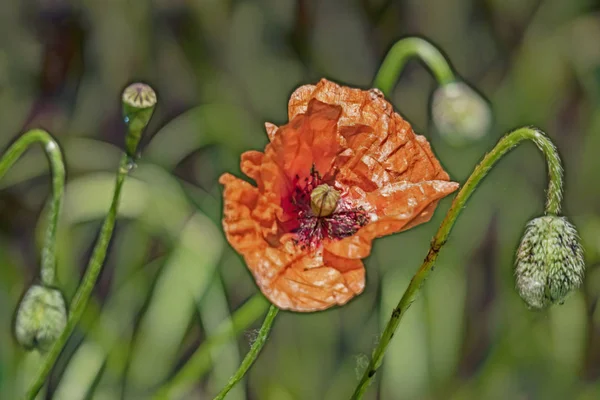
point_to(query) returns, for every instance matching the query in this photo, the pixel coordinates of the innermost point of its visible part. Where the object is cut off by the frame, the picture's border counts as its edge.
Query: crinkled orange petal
(395, 207)
(250, 164)
(243, 232)
(271, 130)
(315, 282)
(381, 146)
(289, 278)
(309, 140)
(372, 156)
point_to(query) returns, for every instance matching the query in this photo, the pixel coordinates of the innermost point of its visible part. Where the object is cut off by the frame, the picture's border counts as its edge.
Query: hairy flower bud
(41, 318)
(549, 261)
(460, 114)
(139, 101)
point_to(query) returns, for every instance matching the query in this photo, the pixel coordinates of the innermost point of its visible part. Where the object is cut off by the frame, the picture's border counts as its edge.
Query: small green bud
(549, 261)
(41, 318)
(460, 114)
(139, 101)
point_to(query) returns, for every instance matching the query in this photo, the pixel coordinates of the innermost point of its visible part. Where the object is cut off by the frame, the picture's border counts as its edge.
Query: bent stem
(553, 204)
(199, 363)
(57, 170)
(404, 50)
(252, 354)
(84, 290)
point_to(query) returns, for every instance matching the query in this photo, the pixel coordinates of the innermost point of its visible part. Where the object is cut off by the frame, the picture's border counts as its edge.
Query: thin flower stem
(84, 290)
(554, 195)
(57, 169)
(406, 49)
(252, 354)
(199, 362)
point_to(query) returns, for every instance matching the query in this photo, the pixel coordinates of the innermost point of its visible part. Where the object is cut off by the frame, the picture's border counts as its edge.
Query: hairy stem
(199, 362)
(252, 354)
(57, 169)
(404, 50)
(554, 196)
(84, 291)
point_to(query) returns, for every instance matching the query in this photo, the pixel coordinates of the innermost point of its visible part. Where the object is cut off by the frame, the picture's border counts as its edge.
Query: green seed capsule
(323, 200)
(139, 101)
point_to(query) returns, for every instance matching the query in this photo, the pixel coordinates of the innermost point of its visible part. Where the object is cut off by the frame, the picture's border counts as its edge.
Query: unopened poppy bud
(323, 200)
(549, 261)
(139, 101)
(460, 114)
(41, 318)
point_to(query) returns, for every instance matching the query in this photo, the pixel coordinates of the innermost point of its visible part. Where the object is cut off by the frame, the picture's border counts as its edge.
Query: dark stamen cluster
(311, 229)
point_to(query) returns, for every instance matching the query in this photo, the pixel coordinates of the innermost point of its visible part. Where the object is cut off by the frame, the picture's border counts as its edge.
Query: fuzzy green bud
(139, 101)
(41, 318)
(460, 114)
(549, 261)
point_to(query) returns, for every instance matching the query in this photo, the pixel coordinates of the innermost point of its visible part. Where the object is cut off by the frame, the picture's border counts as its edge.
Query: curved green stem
(554, 195)
(57, 168)
(406, 49)
(199, 362)
(252, 354)
(84, 290)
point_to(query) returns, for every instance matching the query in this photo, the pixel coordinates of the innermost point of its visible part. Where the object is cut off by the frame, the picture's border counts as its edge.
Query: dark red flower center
(318, 211)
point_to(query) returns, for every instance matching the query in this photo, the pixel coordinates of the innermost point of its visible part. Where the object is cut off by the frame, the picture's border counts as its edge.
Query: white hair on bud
(550, 262)
(41, 318)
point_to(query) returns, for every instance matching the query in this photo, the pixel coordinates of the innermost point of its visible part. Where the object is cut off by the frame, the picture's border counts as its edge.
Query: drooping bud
(323, 200)
(549, 261)
(460, 114)
(139, 101)
(41, 318)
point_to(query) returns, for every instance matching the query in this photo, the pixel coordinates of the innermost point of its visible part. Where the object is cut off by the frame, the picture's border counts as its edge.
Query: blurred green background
(221, 69)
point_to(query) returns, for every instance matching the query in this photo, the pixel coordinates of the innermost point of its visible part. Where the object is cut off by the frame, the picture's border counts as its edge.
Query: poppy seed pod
(460, 114)
(323, 200)
(549, 261)
(41, 318)
(139, 101)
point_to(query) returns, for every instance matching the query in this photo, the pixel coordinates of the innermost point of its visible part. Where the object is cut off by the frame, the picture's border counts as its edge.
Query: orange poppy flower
(345, 170)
